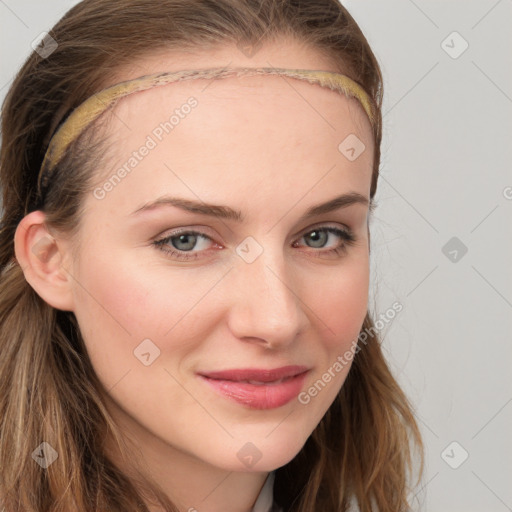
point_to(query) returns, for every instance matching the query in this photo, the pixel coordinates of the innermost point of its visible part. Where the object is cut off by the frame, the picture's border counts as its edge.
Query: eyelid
(345, 234)
(323, 225)
(200, 229)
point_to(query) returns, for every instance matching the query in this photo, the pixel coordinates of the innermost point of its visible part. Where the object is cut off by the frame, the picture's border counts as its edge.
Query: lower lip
(264, 396)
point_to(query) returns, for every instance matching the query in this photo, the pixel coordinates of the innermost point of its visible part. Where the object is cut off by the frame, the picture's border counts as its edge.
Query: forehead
(242, 133)
(286, 52)
(280, 99)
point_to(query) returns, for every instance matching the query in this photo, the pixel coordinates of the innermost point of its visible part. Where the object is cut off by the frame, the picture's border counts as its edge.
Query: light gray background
(446, 158)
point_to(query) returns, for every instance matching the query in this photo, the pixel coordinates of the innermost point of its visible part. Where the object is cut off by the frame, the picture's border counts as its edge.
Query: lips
(256, 375)
(258, 388)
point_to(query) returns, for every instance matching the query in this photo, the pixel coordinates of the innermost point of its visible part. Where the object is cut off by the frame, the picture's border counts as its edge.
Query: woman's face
(165, 294)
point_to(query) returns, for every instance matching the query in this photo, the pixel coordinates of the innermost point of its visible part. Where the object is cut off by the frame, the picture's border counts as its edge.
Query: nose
(266, 306)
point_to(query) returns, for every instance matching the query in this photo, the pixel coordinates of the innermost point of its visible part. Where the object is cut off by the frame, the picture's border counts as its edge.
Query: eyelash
(345, 234)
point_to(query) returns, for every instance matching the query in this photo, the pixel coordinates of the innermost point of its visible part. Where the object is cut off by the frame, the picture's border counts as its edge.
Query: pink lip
(267, 395)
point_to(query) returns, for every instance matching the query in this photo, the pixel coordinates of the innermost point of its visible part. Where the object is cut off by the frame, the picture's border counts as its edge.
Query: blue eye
(319, 236)
(183, 242)
(181, 245)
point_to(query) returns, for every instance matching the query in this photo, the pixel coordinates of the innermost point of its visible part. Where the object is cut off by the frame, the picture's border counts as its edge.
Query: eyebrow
(227, 213)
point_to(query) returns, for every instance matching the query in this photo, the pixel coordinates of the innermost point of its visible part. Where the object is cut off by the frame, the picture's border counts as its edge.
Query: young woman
(184, 326)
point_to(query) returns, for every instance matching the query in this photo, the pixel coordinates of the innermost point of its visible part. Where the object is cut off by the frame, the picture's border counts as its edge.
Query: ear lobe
(41, 257)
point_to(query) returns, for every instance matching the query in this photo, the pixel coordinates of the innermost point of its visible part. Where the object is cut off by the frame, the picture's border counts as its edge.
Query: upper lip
(256, 374)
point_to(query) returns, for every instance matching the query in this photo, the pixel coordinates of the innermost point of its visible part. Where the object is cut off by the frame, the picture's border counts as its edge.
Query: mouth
(258, 388)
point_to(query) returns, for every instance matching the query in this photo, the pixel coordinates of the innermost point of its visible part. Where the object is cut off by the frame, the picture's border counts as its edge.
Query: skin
(266, 146)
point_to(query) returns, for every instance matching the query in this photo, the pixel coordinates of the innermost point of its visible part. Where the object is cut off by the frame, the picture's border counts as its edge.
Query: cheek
(341, 302)
(105, 302)
(120, 302)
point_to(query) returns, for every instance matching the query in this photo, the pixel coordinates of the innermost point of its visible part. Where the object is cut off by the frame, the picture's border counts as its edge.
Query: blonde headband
(97, 104)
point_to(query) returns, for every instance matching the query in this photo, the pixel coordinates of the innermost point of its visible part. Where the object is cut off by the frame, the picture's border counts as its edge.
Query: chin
(263, 453)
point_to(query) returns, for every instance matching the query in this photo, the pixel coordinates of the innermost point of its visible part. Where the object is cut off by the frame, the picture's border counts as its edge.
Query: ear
(41, 257)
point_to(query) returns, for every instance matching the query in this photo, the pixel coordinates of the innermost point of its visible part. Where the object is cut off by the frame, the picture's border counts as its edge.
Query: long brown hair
(363, 447)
